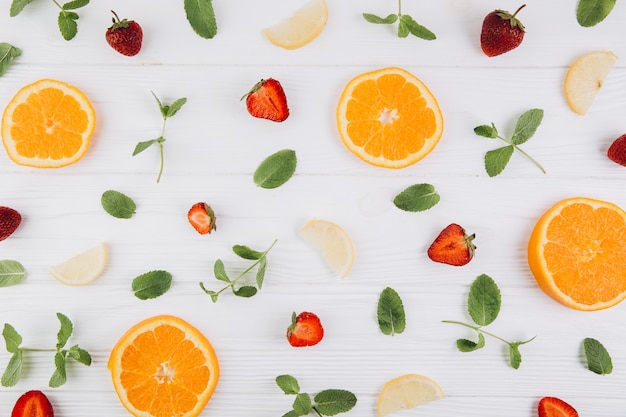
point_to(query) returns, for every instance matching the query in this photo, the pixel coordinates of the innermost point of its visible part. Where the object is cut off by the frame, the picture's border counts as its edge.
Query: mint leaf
(483, 302)
(220, 271)
(291, 413)
(13, 371)
(260, 273)
(334, 401)
(17, 6)
(65, 331)
(391, 316)
(245, 291)
(76, 4)
(142, 146)
(288, 384)
(174, 107)
(403, 28)
(598, 358)
(465, 345)
(79, 355)
(117, 204)
(372, 18)
(302, 404)
(276, 169)
(416, 29)
(59, 377)
(201, 17)
(12, 338)
(591, 12)
(247, 253)
(152, 284)
(486, 131)
(515, 357)
(497, 159)
(11, 273)
(67, 24)
(8, 53)
(418, 197)
(526, 126)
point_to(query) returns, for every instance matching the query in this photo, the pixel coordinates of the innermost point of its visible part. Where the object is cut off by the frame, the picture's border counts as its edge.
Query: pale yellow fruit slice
(82, 268)
(585, 78)
(332, 242)
(301, 28)
(407, 391)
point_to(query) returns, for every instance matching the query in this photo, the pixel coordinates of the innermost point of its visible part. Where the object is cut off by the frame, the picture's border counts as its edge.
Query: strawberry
(124, 36)
(33, 404)
(453, 246)
(9, 221)
(617, 150)
(267, 100)
(501, 32)
(202, 218)
(305, 330)
(554, 407)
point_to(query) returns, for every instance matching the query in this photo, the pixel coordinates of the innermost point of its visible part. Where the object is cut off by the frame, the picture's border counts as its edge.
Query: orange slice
(577, 253)
(407, 391)
(389, 118)
(301, 28)
(585, 78)
(48, 124)
(164, 367)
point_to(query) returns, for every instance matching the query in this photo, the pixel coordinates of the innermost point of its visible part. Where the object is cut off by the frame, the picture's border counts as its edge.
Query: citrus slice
(48, 124)
(82, 268)
(585, 78)
(332, 243)
(389, 118)
(163, 367)
(577, 253)
(407, 391)
(301, 28)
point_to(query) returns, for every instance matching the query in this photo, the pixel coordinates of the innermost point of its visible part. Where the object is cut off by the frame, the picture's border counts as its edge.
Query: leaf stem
(399, 8)
(58, 5)
(25, 349)
(316, 412)
(480, 330)
(523, 153)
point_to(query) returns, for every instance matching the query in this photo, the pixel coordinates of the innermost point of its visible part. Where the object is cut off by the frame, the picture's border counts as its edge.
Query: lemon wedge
(407, 391)
(332, 242)
(585, 78)
(82, 268)
(301, 28)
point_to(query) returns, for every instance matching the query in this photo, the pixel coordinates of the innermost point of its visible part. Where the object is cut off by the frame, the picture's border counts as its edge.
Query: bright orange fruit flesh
(577, 253)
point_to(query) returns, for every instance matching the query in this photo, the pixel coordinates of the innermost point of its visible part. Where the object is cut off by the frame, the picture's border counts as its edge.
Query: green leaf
(391, 317)
(12, 338)
(260, 273)
(117, 204)
(598, 358)
(79, 355)
(526, 126)
(68, 25)
(162, 108)
(201, 17)
(515, 357)
(276, 169)
(8, 53)
(11, 273)
(246, 291)
(291, 413)
(142, 146)
(591, 12)
(288, 384)
(497, 159)
(418, 197)
(403, 28)
(416, 29)
(152, 284)
(59, 377)
(486, 131)
(12, 373)
(483, 302)
(220, 271)
(465, 345)
(334, 401)
(174, 107)
(372, 18)
(65, 331)
(247, 253)
(17, 6)
(302, 404)
(76, 4)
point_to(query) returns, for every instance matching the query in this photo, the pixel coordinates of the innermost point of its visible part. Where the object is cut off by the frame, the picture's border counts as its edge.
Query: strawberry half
(9, 221)
(501, 32)
(32, 404)
(125, 36)
(267, 100)
(453, 246)
(617, 151)
(202, 218)
(305, 330)
(554, 407)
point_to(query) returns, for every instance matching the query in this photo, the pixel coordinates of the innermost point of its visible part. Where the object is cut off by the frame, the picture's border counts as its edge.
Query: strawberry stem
(517, 11)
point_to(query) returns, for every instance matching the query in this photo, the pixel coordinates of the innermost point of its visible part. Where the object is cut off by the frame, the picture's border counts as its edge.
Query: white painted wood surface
(213, 147)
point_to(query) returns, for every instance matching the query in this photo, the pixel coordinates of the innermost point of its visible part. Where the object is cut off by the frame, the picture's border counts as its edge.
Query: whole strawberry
(501, 32)
(9, 221)
(305, 330)
(452, 246)
(267, 100)
(617, 151)
(124, 36)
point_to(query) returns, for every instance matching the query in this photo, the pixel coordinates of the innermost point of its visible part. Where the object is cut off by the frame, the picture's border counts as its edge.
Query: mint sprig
(67, 17)
(329, 402)
(167, 111)
(483, 305)
(406, 24)
(496, 160)
(246, 291)
(591, 12)
(13, 341)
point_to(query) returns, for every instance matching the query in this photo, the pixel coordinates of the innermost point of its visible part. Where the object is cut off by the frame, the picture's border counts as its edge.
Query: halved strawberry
(32, 404)
(453, 246)
(555, 407)
(617, 151)
(267, 100)
(202, 218)
(305, 330)
(9, 221)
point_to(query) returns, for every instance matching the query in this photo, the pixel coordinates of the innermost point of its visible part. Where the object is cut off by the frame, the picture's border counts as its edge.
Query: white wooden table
(213, 147)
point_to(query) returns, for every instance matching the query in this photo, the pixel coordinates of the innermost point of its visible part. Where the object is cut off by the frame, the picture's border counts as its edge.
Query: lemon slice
(585, 78)
(332, 242)
(407, 391)
(82, 268)
(301, 28)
